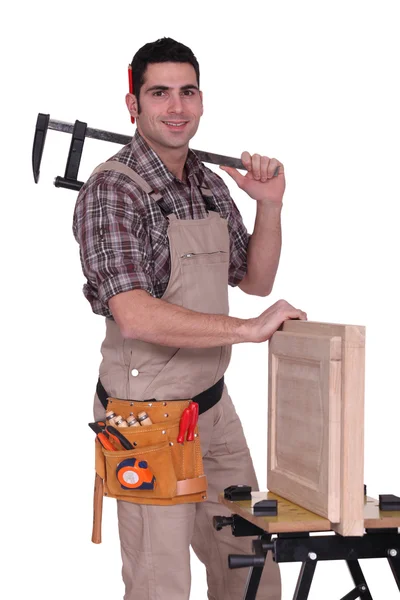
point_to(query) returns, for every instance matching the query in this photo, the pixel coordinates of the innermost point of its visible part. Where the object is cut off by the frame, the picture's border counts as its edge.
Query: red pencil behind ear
(130, 78)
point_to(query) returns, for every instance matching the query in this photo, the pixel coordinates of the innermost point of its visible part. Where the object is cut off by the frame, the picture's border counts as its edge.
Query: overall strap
(115, 165)
(207, 194)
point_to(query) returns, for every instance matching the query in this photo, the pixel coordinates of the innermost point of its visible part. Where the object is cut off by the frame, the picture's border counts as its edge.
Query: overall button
(134, 372)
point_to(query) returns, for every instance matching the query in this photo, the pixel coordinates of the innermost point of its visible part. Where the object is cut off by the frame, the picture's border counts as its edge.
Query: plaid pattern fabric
(122, 233)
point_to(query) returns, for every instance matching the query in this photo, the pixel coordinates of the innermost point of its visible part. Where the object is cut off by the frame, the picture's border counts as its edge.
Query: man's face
(170, 105)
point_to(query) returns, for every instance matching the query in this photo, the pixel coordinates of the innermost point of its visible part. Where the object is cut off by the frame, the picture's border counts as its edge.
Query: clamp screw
(312, 556)
(363, 588)
(392, 552)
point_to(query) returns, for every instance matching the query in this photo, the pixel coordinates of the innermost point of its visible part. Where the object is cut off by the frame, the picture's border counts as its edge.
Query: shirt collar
(150, 166)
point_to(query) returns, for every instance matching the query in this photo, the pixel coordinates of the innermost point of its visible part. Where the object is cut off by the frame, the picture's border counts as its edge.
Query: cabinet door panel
(304, 421)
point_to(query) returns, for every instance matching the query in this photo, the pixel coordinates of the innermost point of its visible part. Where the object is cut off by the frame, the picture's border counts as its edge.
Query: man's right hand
(140, 316)
(263, 327)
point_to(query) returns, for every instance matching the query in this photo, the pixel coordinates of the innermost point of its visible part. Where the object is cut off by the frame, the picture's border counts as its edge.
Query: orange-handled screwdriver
(194, 415)
(183, 425)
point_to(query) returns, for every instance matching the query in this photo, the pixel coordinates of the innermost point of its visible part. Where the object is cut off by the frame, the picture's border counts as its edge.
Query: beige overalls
(155, 540)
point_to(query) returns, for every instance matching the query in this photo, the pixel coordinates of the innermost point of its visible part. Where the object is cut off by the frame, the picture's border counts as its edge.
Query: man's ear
(201, 98)
(131, 103)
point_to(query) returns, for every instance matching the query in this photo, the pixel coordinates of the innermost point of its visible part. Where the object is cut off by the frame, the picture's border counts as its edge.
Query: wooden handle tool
(97, 509)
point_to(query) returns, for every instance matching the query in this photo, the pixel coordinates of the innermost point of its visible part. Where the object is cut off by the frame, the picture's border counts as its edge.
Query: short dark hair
(162, 50)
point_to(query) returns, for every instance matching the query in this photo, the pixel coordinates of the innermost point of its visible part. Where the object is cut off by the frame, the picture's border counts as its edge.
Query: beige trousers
(155, 540)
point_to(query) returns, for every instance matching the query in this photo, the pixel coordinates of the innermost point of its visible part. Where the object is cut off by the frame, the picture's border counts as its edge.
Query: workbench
(287, 536)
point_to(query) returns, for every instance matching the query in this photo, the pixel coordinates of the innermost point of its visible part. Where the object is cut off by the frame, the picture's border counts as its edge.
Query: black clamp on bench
(266, 508)
(238, 492)
(389, 502)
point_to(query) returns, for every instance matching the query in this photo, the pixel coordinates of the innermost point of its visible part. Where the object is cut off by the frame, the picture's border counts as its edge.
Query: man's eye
(159, 93)
(188, 93)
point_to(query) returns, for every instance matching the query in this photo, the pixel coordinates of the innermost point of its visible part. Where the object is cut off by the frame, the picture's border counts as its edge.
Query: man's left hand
(260, 181)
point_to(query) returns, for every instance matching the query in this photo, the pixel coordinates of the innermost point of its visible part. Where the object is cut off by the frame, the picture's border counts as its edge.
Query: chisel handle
(97, 509)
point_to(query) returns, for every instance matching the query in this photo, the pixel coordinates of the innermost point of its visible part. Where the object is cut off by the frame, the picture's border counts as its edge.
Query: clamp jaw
(70, 179)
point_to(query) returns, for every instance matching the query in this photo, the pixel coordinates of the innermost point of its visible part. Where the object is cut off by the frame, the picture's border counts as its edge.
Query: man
(158, 260)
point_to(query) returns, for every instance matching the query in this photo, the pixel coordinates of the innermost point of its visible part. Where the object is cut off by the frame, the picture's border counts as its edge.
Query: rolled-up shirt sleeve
(114, 247)
(239, 241)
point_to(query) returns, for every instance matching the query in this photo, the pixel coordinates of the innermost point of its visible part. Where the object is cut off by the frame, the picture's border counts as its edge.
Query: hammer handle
(97, 509)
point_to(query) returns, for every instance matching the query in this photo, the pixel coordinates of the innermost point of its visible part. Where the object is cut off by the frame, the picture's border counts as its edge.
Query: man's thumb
(234, 174)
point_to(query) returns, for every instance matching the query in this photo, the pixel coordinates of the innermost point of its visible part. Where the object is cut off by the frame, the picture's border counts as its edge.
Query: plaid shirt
(122, 232)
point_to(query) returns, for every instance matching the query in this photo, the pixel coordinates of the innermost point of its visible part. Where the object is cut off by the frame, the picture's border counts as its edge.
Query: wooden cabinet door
(316, 418)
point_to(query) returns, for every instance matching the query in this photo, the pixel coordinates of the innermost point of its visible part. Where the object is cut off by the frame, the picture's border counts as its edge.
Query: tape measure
(135, 475)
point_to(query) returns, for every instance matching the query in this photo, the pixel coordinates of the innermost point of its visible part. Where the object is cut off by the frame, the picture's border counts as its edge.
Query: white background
(314, 84)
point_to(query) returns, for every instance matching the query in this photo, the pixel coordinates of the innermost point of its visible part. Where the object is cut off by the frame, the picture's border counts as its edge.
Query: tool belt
(159, 469)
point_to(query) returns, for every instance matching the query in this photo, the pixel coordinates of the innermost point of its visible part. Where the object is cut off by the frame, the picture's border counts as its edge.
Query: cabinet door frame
(351, 415)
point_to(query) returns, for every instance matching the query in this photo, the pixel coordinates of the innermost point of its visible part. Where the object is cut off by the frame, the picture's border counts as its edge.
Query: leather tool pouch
(159, 470)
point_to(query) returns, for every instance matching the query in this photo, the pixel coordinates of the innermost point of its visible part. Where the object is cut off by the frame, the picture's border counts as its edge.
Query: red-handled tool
(194, 415)
(183, 425)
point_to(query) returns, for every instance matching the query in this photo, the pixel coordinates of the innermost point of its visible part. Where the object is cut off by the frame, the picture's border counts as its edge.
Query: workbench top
(292, 518)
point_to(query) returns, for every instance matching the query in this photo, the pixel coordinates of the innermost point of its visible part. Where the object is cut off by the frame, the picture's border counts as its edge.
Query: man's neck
(173, 158)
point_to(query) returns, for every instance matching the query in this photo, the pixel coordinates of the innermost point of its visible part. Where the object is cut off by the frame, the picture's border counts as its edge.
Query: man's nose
(175, 104)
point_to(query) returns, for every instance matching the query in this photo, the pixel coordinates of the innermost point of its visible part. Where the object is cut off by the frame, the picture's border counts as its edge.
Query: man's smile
(178, 125)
